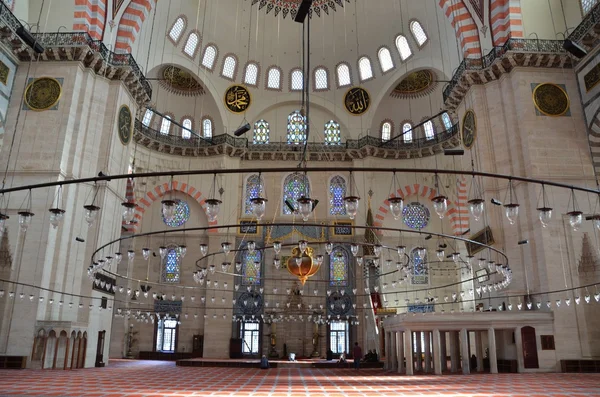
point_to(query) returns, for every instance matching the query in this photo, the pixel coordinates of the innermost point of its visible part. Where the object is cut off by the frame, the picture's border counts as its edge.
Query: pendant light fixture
(25, 216)
(476, 204)
(56, 213)
(259, 203)
(169, 205)
(440, 202)
(545, 211)
(352, 200)
(396, 203)
(92, 210)
(511, 209)
(575, 215)
(213, 205)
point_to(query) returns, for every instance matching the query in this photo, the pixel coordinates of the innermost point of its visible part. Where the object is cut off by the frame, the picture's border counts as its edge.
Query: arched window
(274, 78)
(207, 128)
(296, 128)
(403, 47)
(365, 70)
(251, 74)
(229, 67)
(429, 131)
(294, 186)
(191, 44)
(251, 267)
(177, 30)
(343, 75)
(587, 5)
(418, 33)
(420, 273)
(147, 119)
(186, 131)
(333, 135)
(386, 131)
(171, 266)
(261, 132)
(321, 79)
(165, 125)
(209, 57)
(166, 335)
(447, 121)
(338, 267)
(407, 132)
(385, 59)
(337, 192)
(297, 80)
(252, 190)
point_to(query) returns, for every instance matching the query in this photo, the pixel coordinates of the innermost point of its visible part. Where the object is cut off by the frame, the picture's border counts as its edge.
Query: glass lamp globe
(276, 263)
(277, 246)
(56, 216)
(440, 205)
(226, 247)
(351, 203)
(328, 247)
(91, 213)
(545, 215)
(182, 249)
(359, 260)
(421, 252)
(259, 206)
(377, 249)
(303, 245)
(203, 249)
(595, 220)
(354, 249)
(305, 207)
(455, 257)
(212, 209)
(25, 218)
(440, 254)
(319, 260)
(476, 207)
(396, 205)
(168, 209)
(401, 250)
(162, 250)
(298, 261)
(512, 212)
(575, 219)
(251, 246)
(146, 253)
(128, 211)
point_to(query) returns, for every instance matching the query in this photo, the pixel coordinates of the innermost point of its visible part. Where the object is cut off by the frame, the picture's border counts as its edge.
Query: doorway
(250, 335)
(530, 356)
(100, 349)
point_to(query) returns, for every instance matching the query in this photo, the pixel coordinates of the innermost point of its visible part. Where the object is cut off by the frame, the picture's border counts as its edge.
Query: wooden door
(530, 357)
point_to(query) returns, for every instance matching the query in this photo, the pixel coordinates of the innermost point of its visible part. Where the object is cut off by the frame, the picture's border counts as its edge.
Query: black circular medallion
(469, 129)
(237, 99)
(124, 124)
(357, 101)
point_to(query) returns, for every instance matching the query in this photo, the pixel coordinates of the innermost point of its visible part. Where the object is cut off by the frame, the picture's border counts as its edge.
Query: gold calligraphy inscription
(357, 101)
(4, 72)
(592, 78)
(237, 99)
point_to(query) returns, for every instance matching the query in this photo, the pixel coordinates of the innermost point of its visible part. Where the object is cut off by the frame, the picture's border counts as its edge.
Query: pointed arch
(230, 67)
(343, 75)
(337, 192)
(506, 20)
(274, 78)
(131, 22)
(252, 188)
(171, 265)
(295, 186)
(89, 16)
(338, 267)
(177, 29)
(464, 26)
(296, 128)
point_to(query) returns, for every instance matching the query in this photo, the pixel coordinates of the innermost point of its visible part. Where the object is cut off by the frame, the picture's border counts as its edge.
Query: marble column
(419, 351)
(519, 345)
(394, 351)
(492, 351)
(438, 355)
(443, 353)
(427, 351)
(453, 352)
(479, 351)
(464, 351)
(408, 352)
(400, 343)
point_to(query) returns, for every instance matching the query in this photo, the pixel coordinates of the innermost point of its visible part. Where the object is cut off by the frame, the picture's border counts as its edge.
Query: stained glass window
(296, 128)
(210, 56)
(386, 131)
(251, 267)
(333, 135)
(385, 60)
(338, 267)
(191, 44)
(365, 70)
(343, 75)
(407, 132)
(181, 214)
(261, 132)
(447, 121)
(177, 29)
(418, 32)
(171, 266)
(337, 192)
(252, 191)
(415, 215)
(403, 47)
(429, 131)
(420, 272)
(294, 186)
(274, 78)
(229, 66)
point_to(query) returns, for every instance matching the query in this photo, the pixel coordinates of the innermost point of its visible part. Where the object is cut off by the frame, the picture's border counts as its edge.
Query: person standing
(357, 354)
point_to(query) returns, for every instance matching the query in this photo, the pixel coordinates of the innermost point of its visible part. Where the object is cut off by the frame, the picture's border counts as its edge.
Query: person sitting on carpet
(264, 362)
(342, 359)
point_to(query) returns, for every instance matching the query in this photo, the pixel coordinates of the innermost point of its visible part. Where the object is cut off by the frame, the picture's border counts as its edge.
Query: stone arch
(131, 22)
(464, 25)
(506, 20)
(159, 191)
(457, 213)
(62, 350)
(594, 141)
(39, 346)
(50, 353)
(90, 16)
(76, 348)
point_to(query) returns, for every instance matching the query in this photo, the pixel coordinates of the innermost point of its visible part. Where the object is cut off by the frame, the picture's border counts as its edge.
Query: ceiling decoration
(179, 81)
(285, 7)
(416, 84)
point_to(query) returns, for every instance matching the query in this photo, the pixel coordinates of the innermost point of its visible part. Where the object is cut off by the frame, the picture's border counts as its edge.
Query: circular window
(181, 216)
(415, 216)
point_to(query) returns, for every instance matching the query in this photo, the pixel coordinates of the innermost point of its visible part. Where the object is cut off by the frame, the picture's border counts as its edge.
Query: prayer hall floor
(125, 378)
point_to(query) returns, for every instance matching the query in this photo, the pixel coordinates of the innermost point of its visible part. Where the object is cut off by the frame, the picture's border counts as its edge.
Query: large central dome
(285, 7)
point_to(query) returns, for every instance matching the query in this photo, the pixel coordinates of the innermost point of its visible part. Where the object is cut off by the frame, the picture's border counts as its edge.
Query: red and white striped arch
(90, 16)
(458, 212)
(158, 193)
(131, 22)
(464, 25)
(506, 20)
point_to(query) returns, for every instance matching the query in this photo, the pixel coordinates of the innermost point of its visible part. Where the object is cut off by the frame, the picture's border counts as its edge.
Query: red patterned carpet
(153, 378)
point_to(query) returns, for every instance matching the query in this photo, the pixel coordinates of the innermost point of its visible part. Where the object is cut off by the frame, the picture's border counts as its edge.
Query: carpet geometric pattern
(124, 378)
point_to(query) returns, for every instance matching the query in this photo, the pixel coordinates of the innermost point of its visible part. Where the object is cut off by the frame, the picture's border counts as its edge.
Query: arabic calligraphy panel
(357, 101)
(237, 99)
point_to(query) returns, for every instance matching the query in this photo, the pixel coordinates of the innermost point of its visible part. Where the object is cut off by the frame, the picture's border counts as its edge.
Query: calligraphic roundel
(357, 101)
(237, 99)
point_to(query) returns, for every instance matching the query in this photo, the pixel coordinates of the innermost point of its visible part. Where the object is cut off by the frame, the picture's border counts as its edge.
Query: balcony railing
(517, 45)
(591, 19)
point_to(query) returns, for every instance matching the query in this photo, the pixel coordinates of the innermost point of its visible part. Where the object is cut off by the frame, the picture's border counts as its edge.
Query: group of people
(357, 354)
